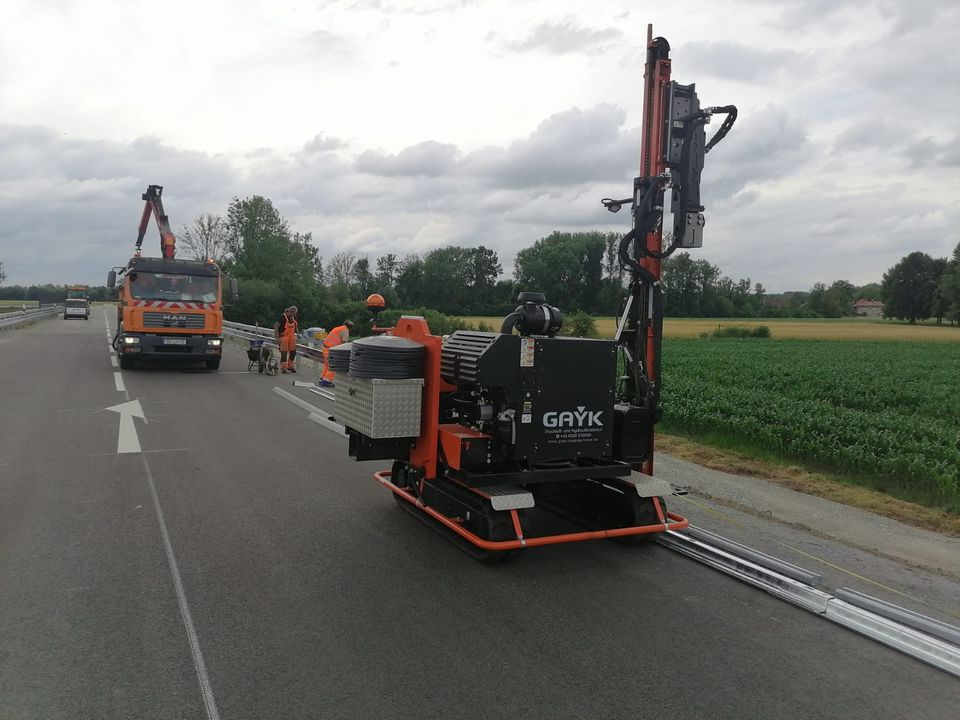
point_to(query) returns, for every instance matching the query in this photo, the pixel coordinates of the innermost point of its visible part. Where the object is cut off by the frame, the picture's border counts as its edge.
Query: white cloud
(564, 37)
(388, 126)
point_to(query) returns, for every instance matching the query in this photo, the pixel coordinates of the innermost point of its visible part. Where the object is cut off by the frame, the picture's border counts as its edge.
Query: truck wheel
(213, 364)
(126, 362)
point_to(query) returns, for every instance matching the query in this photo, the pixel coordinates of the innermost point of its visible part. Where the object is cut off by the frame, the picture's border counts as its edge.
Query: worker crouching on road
(285, 329)
(339, 335)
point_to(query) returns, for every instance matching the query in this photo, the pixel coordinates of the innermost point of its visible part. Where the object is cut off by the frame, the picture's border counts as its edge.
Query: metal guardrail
(258, 332)
(8, 321)
(924, 638)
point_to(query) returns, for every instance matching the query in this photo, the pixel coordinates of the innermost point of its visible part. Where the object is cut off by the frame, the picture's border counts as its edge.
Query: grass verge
(831, 487)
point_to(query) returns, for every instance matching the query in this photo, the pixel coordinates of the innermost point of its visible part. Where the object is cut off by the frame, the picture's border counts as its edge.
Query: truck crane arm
(153, 204)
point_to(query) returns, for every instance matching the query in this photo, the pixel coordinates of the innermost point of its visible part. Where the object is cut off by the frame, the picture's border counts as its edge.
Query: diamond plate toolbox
(379, 408)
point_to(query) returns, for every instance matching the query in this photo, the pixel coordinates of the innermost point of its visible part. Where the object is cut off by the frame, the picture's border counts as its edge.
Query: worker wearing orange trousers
(339, 335)
(285, 330)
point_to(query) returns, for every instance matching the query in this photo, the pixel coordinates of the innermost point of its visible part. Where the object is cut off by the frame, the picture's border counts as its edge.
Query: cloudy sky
(403, 125)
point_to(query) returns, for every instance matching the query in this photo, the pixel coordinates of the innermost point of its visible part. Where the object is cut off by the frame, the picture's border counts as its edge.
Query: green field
(800, 328)
(884, 413)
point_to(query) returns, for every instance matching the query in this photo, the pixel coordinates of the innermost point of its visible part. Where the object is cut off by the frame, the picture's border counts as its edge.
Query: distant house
(868, 308)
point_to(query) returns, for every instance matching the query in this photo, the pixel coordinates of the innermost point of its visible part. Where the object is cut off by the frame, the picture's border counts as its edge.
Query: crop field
(839, 329)
(887, 413)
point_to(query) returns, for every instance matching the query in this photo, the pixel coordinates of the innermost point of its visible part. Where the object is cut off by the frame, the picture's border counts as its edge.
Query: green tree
(908, 287)
(261, 247)
(258, 239)
(681, 281)
(817, 300)
(611, 263)
(949, 287)
(341, 275)
(504, 297)
(834, 301)
(870, 291)
(387, 269)
(483, 269)
(363, 278)
(840, 298)
(759, 294)
(455, 280)
(566, 267)
(410, 281)
(579, 324)
(445, 283)
(940, 302)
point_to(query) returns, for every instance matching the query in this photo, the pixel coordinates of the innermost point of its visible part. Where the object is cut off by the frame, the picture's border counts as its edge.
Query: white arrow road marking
(127, 440)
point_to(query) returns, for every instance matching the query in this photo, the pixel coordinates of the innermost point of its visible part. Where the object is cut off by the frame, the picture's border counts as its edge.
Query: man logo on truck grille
(174, 319)
(581, 418)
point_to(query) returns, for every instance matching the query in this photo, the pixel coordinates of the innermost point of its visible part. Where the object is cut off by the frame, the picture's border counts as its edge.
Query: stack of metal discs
(339, 357)
(386, 356)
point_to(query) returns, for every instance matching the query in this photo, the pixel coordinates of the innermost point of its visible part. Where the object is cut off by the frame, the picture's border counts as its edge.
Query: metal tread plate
(507, 497)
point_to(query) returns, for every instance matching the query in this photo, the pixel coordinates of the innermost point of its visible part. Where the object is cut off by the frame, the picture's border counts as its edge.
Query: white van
(76, 307)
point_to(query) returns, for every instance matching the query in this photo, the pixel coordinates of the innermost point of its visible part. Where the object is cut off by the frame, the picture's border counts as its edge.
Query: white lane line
(198, 663)
(118, 381)
(113, 360)
(165, 450)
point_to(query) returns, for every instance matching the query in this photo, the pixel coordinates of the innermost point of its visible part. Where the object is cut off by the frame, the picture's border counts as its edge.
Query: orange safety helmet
(376, 301)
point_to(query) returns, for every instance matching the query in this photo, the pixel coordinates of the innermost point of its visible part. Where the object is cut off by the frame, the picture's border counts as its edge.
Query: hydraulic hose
(506, 327)
(728, 121)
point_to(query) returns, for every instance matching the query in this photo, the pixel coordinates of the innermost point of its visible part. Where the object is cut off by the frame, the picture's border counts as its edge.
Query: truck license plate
(174, 341)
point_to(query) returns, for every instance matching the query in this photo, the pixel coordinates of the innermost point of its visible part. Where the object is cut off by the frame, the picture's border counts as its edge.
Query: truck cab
(169, 309)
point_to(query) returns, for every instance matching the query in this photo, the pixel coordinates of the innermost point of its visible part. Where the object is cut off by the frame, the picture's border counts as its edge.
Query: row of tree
(576, 271)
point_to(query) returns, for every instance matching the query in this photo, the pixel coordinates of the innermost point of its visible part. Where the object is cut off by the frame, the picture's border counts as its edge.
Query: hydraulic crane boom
(154, 205)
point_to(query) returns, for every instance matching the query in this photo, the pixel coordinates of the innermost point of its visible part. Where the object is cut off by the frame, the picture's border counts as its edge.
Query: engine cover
(560, 390)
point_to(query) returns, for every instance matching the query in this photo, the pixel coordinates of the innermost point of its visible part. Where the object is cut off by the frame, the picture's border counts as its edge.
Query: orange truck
(168, 309)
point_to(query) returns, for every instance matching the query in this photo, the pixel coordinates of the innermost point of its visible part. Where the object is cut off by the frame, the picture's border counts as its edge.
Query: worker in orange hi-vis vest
(285, 329)
(339, 335)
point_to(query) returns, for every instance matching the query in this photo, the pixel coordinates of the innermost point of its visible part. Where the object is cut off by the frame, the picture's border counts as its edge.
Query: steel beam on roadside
(767, 561)
(910, 633)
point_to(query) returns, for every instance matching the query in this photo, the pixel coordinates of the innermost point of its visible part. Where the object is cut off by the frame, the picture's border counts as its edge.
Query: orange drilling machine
(521, 438)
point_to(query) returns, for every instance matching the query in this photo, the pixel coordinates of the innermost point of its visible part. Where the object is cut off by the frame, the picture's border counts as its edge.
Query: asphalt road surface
(240, 565)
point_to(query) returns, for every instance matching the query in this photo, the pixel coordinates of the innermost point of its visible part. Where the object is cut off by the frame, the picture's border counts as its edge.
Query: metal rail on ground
(8, 321)
(911, 633)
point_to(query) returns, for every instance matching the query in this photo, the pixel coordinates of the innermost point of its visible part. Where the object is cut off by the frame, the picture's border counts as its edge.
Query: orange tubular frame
(676, 522)
(424, 452)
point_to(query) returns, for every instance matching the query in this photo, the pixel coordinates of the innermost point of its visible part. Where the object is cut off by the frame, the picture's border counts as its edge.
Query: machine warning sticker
(527, 347)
